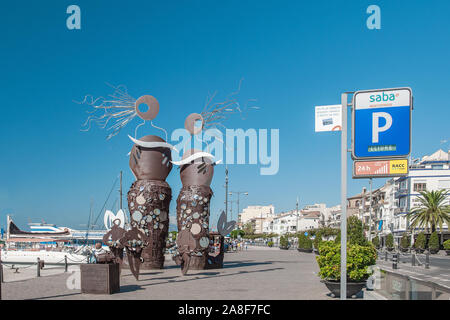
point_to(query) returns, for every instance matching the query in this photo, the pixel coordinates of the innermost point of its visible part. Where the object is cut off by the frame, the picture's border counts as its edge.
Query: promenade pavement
(258, 273)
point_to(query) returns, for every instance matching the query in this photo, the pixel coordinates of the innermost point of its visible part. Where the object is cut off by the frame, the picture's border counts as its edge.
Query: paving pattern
(262, 274)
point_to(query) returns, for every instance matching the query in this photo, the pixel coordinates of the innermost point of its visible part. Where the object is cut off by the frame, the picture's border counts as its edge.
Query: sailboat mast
(120, 191)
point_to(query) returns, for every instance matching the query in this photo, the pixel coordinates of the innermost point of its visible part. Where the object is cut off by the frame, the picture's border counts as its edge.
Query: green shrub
(237, 232)
(304, 242)
(447, 244)
(420, 241)
(359, 258)
(376, 242)
(433, 243)
(317, 240)
(338, 238)
(355, 231)
(405, 241)
(284, 242)
(270, 243)
(390, 241)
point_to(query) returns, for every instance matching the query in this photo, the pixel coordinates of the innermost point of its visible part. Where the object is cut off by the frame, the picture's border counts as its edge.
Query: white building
(333, 219)
(429, 173)
(291, 222)
(391, 203)
(252, 212)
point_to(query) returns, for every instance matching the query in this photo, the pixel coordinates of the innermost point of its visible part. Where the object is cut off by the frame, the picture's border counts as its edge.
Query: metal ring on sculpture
(153, 107)
(189, 123)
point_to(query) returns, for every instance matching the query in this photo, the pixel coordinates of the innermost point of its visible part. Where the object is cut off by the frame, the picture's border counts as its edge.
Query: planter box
(404, 249)
(304, 250)
(434, 251)
(352, 287)
(447, 252)
(100, 278)
(284, 248)
(418, 250)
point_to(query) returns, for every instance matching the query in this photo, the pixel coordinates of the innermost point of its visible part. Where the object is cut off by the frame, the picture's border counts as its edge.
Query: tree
(376, 242)
(390, 241)
(404, 241)
(235, 233)
(432, 211)
(355, 231)
(248, 228)
(433, 243)
(420, 241)
(284, 242)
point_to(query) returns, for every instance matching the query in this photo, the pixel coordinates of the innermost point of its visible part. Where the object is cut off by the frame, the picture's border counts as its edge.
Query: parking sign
(381, 123)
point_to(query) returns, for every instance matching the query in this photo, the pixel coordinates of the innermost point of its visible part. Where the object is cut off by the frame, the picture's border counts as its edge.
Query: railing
(395, 286)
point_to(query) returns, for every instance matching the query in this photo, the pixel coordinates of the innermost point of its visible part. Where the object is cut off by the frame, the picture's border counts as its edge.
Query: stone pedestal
(100, 278)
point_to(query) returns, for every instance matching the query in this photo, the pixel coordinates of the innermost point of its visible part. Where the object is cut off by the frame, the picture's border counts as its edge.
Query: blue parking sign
(381, 123)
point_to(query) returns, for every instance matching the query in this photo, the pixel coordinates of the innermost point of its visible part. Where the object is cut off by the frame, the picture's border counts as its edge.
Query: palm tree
(432, 210)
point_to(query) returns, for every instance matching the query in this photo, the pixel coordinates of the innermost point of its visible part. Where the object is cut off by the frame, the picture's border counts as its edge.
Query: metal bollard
(65, 263)
(427, 260)
(394, 260)
(38, 267)
(413, 259)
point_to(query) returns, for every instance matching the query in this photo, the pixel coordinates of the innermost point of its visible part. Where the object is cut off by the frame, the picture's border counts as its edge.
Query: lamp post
(238, 194)
(296, 224)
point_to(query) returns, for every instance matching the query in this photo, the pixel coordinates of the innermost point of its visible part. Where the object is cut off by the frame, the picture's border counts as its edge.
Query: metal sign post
(344, 150)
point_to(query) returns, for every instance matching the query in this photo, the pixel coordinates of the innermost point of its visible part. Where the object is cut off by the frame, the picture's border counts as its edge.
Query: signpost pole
(344, 102)
(370, 211)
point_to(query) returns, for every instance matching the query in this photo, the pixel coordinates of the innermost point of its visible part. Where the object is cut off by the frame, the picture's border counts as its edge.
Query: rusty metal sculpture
(150, 161)
(150, 195)
(196, 172)
(112, 240)
(134, 241)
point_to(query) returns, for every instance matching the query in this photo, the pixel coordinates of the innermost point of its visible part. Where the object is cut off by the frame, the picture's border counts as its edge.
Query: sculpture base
(100, 278)
(198, 263)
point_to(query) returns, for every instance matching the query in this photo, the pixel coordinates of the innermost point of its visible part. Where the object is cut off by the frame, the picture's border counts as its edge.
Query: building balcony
(401, 193)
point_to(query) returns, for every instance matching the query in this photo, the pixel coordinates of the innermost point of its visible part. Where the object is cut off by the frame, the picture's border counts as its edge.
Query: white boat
(21, 257)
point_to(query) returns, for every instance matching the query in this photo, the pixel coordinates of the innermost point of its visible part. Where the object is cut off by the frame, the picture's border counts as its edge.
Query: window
(437, 166)
(420, 186)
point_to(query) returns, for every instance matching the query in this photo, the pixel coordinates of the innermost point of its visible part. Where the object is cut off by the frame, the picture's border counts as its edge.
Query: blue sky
(292, 56)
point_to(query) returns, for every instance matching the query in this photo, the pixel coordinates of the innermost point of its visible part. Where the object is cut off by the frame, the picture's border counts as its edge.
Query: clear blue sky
(292, 55)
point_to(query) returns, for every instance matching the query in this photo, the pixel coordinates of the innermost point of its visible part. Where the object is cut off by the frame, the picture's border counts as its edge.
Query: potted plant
(404, 243)
(419, 245)
(359, 258)
(447, 247)
(390, 242)
(304, 244)
(433, 243)
(284, 242)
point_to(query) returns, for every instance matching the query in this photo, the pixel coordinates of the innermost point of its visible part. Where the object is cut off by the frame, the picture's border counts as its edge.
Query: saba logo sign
(383, 97)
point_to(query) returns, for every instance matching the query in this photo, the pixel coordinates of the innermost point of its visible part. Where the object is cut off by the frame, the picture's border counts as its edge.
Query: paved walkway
(254, 274)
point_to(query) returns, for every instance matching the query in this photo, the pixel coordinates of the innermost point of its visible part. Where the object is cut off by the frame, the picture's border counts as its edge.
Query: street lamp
(238, 194)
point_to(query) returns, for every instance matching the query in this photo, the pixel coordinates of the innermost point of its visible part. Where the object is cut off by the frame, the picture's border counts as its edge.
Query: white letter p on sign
(376, 129)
